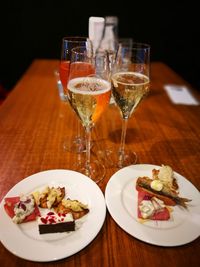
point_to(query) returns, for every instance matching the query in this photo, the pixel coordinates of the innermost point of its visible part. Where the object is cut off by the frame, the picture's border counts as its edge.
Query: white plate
(121, 200)
(25, 241)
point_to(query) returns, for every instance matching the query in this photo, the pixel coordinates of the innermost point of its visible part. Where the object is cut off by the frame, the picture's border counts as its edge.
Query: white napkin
(180, 94)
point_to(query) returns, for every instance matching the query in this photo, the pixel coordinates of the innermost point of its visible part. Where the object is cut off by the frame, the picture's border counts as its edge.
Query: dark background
(31, 29)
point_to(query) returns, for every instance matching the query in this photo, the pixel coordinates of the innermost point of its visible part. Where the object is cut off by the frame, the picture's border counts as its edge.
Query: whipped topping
(157, 185)
(149, 207)
(146, 208)
(23, 208)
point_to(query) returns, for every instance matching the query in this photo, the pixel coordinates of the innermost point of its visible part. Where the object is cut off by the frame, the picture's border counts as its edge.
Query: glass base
(96, 170)
(126, 158)
(77, 146)
(106, 156)
(116, 159)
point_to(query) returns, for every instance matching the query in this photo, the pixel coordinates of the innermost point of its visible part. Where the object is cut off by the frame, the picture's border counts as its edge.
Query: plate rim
(119, 222)
(65, 172)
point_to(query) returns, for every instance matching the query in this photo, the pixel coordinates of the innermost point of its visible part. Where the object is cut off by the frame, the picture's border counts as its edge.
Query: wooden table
(34, 123)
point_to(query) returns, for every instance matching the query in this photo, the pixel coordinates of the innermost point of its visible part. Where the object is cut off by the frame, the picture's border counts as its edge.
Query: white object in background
(109, 39)
(96, 26)
(180, 94)
(59, 86)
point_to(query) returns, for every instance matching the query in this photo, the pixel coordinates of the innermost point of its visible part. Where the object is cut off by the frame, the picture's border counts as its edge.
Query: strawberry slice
(9, 208)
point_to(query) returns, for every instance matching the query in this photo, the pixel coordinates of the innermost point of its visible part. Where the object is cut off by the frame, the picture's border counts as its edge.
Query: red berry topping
(52, 220)
(50, 213)
(44, 220)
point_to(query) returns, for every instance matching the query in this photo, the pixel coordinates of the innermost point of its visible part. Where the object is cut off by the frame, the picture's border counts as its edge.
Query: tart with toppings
(50, 197)
(75, 207)
(21, 208)
(156, 194)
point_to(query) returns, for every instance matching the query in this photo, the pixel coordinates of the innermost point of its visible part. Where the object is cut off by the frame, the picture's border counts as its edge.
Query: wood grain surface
(34, 123)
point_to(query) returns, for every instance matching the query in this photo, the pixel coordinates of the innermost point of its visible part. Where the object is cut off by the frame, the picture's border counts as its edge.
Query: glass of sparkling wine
(130, 83)
(68, 43)
(89, 95)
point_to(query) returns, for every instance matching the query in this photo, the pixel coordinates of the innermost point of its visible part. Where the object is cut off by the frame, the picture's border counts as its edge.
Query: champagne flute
(130, 83)
(89, 95)
(68, 43)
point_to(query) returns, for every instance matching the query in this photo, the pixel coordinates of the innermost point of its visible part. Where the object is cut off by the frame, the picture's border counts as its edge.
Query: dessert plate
(121, 200)
(24, 240)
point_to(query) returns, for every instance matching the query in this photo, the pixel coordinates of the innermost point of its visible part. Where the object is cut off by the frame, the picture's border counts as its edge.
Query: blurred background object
(3, 94)
(110, 34)
(95, 30)
(33, 29)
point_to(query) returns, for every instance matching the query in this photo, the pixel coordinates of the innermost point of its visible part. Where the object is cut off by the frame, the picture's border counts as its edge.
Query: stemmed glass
(130, 83)
(68, 43)
(89, 95)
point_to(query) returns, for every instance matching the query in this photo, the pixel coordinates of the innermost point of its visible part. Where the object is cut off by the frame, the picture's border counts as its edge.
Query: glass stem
(80, 143)
(88, 141)
(78, 131)
(122, 144)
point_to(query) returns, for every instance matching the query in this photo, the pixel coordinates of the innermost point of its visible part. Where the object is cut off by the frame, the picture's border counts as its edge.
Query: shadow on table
(133, 135)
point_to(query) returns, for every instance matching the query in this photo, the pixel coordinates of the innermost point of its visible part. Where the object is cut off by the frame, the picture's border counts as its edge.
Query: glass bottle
(95, 31)
(110, 34)
(109, 41)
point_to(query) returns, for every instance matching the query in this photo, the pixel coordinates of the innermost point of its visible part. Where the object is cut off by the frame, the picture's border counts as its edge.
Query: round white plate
(121, 199)
(25, 241)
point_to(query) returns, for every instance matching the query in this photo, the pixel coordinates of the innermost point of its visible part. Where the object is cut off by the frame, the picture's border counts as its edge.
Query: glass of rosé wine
(68, 43)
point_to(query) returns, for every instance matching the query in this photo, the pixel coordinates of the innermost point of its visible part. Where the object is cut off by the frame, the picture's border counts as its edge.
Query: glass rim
(82, 50)
(139, 45)
(75, 39)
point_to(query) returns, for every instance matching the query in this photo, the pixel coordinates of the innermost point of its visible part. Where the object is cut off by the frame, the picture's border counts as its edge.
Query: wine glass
(89, 95)
(130, 83)
(68, 43)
